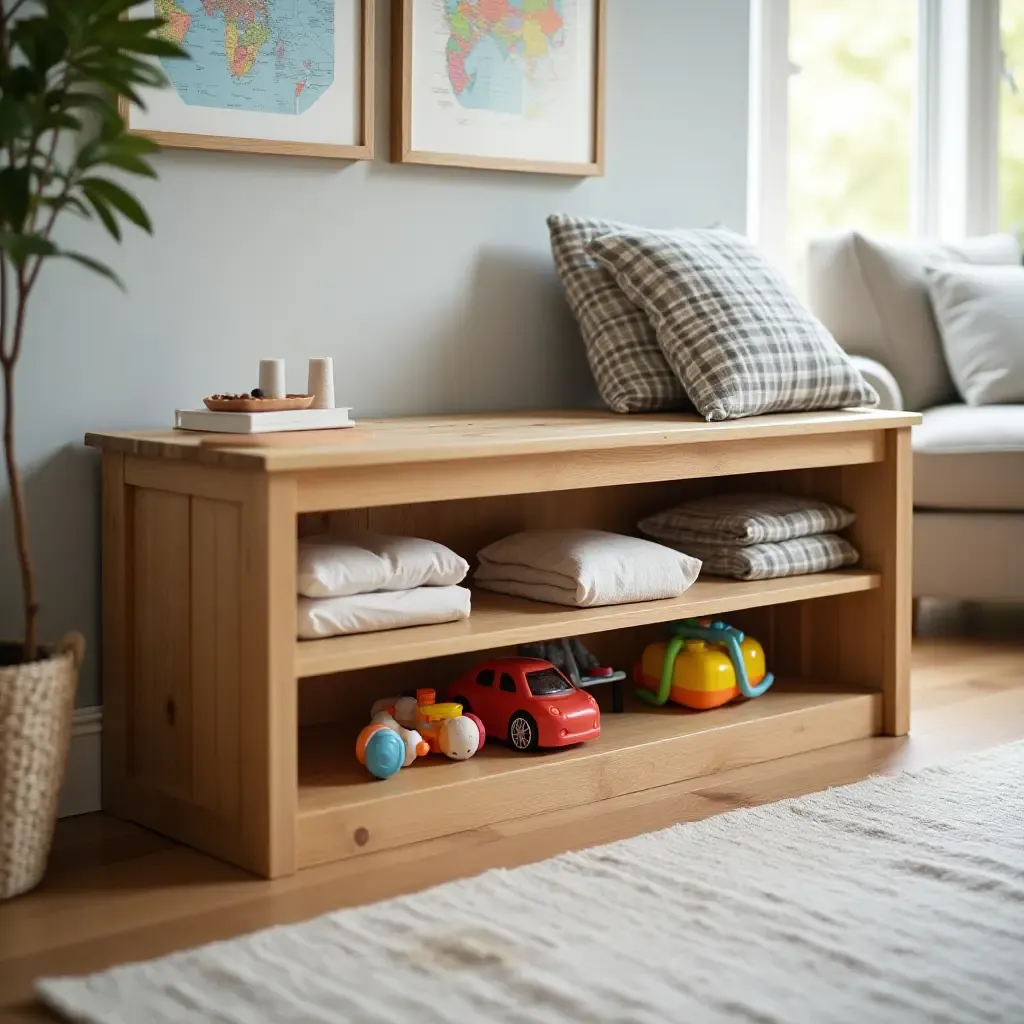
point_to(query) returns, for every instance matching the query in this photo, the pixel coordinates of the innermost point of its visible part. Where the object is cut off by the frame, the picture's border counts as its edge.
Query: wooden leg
(862, 639)
(269, 733)
(116, 555)
(897, 574)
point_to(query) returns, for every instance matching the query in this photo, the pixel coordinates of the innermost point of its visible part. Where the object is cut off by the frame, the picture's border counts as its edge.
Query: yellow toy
(705, 665)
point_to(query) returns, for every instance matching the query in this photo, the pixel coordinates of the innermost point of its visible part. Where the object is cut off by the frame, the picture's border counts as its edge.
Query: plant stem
(14, 482)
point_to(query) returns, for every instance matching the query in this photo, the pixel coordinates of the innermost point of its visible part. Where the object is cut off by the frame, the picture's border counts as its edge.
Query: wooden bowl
(258, 404)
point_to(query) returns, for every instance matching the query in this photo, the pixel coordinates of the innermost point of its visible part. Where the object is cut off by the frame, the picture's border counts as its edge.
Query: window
(508, 684)
(851, 118)
(485, 678)
(894, 117)
(1011, 116)
(546, 682)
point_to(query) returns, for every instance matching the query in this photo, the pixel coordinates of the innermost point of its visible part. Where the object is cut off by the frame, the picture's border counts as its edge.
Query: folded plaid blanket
(769, 561)
(743, 519)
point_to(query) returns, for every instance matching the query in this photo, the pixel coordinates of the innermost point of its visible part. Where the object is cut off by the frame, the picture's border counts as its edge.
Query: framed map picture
(264, 76)
(500, 84)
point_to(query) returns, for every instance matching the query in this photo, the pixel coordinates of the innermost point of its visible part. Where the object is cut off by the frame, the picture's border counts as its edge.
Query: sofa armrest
(882, 380)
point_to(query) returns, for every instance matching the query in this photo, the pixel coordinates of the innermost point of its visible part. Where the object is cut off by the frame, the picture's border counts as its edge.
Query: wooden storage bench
(225, 732)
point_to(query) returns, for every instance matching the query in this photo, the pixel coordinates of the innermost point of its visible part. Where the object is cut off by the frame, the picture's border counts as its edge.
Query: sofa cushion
(980, 314)
(873, 296)
(627, 364)
(729, 324)
(970, 457)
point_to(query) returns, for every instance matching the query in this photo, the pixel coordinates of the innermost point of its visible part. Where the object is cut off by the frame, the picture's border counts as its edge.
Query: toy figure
(573, 660)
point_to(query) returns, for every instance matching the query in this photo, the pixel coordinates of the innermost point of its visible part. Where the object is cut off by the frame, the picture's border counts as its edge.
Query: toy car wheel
(522, 732)
(466, 709)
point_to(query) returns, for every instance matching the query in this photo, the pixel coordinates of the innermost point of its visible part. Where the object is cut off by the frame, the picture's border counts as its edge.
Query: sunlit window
(852, 118)
(1011, 116)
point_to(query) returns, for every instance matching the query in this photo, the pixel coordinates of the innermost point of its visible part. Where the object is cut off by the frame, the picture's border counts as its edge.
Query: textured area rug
(897, 899)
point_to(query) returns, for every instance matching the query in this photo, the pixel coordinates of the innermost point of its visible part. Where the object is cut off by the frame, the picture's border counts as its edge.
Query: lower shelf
(342, 813)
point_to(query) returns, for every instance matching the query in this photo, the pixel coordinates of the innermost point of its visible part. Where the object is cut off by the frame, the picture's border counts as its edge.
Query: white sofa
(968, 461)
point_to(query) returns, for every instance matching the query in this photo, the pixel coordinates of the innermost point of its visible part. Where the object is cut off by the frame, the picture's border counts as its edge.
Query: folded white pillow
(368, 613)
(584, 568)
(361, 563)
(980, 313)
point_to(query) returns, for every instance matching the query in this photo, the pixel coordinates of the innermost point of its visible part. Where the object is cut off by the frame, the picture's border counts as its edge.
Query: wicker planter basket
(36, 705)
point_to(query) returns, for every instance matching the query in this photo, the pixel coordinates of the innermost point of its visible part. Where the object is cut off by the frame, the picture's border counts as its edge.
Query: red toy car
(528, 702)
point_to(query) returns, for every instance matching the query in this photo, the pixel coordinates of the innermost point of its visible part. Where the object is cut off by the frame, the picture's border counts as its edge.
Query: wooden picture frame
(363, 149)
(402, 112)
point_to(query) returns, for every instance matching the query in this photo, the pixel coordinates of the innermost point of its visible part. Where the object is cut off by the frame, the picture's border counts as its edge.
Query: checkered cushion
(742, 520)
(768, 561)
(729, 325)
(630, 371)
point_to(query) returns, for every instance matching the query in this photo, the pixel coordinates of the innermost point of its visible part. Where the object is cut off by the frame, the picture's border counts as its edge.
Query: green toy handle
(660, 699)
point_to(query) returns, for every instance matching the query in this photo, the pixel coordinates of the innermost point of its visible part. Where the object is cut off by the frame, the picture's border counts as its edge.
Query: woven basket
(36, 704)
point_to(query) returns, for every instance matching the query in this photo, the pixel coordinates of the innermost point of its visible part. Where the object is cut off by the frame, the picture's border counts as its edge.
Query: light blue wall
(432, 289)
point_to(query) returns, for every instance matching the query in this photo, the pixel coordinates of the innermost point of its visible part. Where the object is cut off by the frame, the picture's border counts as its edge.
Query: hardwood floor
(116, 892)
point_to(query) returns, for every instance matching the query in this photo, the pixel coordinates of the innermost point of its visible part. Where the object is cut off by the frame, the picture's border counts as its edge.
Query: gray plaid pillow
(628, 366)
(744, 519)
(769, 561)
(729, 325)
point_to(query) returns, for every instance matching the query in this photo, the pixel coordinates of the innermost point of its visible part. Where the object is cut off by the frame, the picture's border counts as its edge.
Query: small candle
(321, 382)
(272, 378)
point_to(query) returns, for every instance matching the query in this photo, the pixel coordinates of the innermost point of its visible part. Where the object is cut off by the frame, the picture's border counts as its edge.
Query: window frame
(954, 179)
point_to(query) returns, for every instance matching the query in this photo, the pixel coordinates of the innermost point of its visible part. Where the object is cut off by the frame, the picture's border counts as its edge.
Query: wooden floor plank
(116, 892)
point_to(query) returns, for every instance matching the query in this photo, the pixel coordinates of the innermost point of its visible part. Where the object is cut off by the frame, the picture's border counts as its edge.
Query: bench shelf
(225, 732)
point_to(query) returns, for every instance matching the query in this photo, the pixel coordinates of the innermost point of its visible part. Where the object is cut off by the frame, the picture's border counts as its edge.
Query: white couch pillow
(980, 313)
(872, 294)
(360, 563)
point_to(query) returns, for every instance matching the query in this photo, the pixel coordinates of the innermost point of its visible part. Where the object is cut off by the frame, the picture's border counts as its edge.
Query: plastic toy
(447, 728)
(381, 751)
(705, 665)
(572, 659)
(380, 754)
(528, 702)
(403, 709)
(439, 728)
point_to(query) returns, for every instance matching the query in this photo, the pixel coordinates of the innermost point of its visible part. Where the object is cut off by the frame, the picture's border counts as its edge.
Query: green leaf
(94, 265)
(128, 162)
(42, 40)
(55, 120)
(23, 82)
(124, 202)
(15, 119)
(137, 145)
(72, 203)
(15, 184)
(21, 247)
(107, 218)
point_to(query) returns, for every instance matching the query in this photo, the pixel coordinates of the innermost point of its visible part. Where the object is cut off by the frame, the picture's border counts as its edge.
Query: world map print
(500, 54)
(270, 56)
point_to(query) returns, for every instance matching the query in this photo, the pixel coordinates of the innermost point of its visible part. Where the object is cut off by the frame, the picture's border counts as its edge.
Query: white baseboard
(81, 792)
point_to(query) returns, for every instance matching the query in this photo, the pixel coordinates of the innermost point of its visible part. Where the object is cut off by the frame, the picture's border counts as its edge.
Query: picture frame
(408, 99)
(360, 146)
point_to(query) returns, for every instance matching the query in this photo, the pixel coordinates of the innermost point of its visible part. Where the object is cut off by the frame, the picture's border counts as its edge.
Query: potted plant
(63, 65)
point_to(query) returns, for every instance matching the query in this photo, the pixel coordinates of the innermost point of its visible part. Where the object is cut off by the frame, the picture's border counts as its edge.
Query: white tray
(262, 422)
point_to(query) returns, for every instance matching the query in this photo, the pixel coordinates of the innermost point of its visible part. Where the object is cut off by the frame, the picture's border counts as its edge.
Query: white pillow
(872, 294)
(980, 313)
(368, 613)
(360, 563)
(584, 568)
